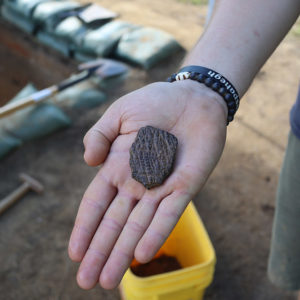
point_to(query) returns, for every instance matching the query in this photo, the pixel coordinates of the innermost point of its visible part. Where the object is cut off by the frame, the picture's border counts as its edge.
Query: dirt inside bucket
(159, 265)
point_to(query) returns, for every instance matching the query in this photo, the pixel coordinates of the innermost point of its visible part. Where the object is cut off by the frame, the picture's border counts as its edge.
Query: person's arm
(118, 218)
(241, 36)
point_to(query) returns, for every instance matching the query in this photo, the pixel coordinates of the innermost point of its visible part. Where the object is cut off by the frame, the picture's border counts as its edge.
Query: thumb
(99, 138)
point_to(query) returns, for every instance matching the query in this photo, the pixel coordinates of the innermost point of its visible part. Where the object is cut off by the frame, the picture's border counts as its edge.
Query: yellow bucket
(190, 244)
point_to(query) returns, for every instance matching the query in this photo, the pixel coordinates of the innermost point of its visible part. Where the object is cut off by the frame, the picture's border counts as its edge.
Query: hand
(119, 219)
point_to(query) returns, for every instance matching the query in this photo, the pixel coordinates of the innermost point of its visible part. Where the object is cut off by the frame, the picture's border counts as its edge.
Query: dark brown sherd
(152, 156)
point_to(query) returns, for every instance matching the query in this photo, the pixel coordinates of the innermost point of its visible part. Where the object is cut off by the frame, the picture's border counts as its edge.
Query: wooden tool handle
(13, 197)
(30, 100)
(14, 106)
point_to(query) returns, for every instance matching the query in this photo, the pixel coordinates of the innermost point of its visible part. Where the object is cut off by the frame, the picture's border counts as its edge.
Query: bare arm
(241, 36)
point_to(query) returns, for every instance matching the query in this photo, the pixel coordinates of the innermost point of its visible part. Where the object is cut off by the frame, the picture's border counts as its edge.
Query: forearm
(241, 36)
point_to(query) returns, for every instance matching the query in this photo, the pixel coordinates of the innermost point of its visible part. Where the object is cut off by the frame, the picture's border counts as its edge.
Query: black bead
(222, 90)
(215, 86)
(193, 75)
(208, 81)
(231, 104)
(228, 97)
(231, 111)
(201, 78)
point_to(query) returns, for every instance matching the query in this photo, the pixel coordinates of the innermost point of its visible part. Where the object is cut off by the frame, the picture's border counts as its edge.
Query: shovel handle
(27, 101)
(15, 106)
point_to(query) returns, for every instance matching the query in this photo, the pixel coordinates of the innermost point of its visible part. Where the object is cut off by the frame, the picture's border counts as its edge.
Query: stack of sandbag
(146, 46)
(19, 13)
(56, 23)
(88, 31)
(29, 123)
(103, 40)
(40, 120)
(70, 25)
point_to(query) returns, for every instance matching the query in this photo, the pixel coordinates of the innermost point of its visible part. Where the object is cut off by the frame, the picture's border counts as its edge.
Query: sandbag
(29, 123)
(146, 46)
(23, 7)
(50, 8)
(83, 57)
(110, 83)
(73, 24)
(102, 41)
(89, 98)
(69, 28)
(17, 19)
(45, 14)
(32, 15)
(83, 95)
(62, 26)
(42, 120)
(34, 121)
(56, 43)
(72, 31)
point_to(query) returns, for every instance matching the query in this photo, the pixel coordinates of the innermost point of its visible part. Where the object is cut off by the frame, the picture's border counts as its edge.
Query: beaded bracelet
(213, 80)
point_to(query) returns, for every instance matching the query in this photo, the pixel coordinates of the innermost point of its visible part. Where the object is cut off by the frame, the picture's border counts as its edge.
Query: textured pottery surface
(152, 156)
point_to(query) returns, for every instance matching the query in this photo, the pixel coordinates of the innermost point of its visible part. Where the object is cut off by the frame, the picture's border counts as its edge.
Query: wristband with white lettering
(213, 80)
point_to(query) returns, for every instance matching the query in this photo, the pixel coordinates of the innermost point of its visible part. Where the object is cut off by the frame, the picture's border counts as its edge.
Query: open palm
(119, 219)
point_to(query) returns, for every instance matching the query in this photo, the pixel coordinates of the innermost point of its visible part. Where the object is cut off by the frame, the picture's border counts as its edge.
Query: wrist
(196, 91)
(222, 66)
(214, 81)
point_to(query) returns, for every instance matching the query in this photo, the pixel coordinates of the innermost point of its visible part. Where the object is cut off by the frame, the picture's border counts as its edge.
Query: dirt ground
(237, 204)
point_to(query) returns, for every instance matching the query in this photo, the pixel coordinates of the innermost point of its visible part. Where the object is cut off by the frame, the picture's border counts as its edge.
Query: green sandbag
(146, 46)
(83, 57)
(69, 28)
(23, 7)
(42, 120)
(34, 121)
(85, 19)
(50, 8)
(103, 40)
(89, 98)
(110, 83)
(72, 31)
(54, 42)
(17, 19)
(26, 91)
(45, 13)
(83, 95)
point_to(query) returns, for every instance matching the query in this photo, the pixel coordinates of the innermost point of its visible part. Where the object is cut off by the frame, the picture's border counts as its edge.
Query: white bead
(182, 76)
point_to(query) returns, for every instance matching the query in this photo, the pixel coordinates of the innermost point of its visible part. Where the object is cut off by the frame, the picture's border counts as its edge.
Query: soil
(21, 64)
(237, 204)
(159, 265)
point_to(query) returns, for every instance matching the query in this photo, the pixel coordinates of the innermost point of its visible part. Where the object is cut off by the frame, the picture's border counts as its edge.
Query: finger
(104, 239)
(98, 139)
(92, 207)
(165, 219)
(122, 254)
